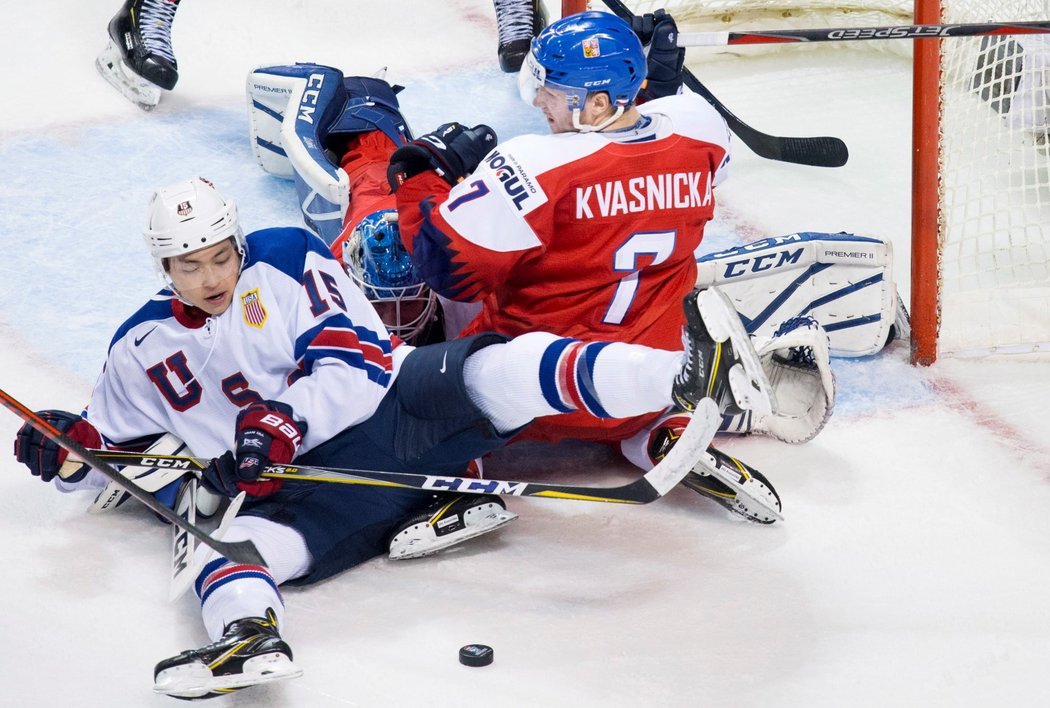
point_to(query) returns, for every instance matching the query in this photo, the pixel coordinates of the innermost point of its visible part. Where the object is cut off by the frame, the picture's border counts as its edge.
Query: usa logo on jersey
(254, 312)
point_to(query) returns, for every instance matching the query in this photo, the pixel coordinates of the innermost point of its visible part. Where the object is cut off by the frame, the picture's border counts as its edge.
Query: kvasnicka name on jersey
(672, 190)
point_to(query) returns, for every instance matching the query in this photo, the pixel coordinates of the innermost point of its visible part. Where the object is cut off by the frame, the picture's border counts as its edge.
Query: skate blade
(191, 683)
(753, 500)
(419, 540)
(750, 386)
(131, 86)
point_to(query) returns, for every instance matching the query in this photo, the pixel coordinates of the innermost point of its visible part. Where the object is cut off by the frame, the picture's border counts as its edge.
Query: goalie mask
(378, 262)
(187, 216)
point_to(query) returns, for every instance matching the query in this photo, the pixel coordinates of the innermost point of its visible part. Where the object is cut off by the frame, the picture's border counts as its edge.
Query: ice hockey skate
(756, 505)
(138, 61)
(518, 21)
(447, 523)
(250, 652)
(720, 361)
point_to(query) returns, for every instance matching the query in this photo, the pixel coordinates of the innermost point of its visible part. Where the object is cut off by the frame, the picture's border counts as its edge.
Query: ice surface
(915, 554)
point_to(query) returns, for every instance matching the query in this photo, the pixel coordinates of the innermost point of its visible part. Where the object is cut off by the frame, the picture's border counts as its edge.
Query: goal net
(989, 237)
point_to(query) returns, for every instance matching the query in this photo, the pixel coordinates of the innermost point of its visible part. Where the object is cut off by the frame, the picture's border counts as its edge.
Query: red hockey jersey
(586, 235)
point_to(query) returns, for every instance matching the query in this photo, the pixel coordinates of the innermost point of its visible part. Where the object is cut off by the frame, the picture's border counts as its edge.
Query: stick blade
(823, 151)
(239, 552)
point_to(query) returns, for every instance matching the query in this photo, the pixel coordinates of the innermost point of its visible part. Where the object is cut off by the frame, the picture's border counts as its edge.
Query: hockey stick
(653, 485)
(823, 151)
(239, 552)
(851, 34)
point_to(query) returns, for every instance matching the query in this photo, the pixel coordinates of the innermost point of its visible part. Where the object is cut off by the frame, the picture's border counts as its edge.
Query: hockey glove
(44, 457)
(452, 151)
(665, 59)
(266, 434)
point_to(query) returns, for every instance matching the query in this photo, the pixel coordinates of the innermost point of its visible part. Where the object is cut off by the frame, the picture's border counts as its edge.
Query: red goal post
(980, 242)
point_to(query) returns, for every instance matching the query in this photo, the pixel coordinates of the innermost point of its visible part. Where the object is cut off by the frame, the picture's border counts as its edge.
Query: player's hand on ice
(44, 457)
(453, 151)
(665, 59)
(266, 434)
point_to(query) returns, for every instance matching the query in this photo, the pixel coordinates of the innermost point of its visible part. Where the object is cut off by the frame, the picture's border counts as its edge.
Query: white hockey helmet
(188, 216)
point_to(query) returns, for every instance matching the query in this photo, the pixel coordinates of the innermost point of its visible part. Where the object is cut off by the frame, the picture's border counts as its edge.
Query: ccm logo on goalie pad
(766, 261)
(843, 280)
(799, 249)
(308, 103)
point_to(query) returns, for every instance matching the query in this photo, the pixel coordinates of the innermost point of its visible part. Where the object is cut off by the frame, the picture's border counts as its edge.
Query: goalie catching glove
(452, 151)
(42, 455)
(798, 364)
(266, 434)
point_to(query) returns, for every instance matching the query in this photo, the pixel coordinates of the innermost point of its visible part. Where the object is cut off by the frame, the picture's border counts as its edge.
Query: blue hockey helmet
(378, 262)
(584, 53)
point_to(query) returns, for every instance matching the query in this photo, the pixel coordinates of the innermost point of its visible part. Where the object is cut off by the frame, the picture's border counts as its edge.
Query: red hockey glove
(44, 457)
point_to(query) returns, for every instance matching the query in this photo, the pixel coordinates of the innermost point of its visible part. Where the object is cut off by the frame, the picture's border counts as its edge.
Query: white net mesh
(995, 185)
(995, 161)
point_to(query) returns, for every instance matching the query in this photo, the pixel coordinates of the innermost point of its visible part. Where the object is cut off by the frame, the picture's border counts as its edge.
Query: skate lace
(689, 353)
(798, 356)
(683, 380)
(155, 18)
(514, 20)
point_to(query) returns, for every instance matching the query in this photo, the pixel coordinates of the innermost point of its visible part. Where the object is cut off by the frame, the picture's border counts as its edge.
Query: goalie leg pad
(842, 280)
(269, 89)
(161, 481)
(290, 107)
(301, 116)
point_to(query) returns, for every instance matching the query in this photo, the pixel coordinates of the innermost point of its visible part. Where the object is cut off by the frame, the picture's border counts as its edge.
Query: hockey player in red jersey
(591, 230)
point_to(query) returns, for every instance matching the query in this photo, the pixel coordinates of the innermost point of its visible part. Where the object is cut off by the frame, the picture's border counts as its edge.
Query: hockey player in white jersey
(262, 350)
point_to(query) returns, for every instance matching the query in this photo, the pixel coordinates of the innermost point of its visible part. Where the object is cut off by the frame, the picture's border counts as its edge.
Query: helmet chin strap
(594, 128)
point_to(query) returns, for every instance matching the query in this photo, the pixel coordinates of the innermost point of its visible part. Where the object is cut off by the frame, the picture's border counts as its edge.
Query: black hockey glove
(665, 59)
(266, 434)
(452, 151)
(44, 457)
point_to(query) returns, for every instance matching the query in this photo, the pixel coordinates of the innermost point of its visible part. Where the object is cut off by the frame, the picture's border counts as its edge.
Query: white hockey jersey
(298, 331)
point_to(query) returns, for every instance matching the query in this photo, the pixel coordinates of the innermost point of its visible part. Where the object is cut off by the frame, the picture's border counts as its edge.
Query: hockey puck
(475, 655)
